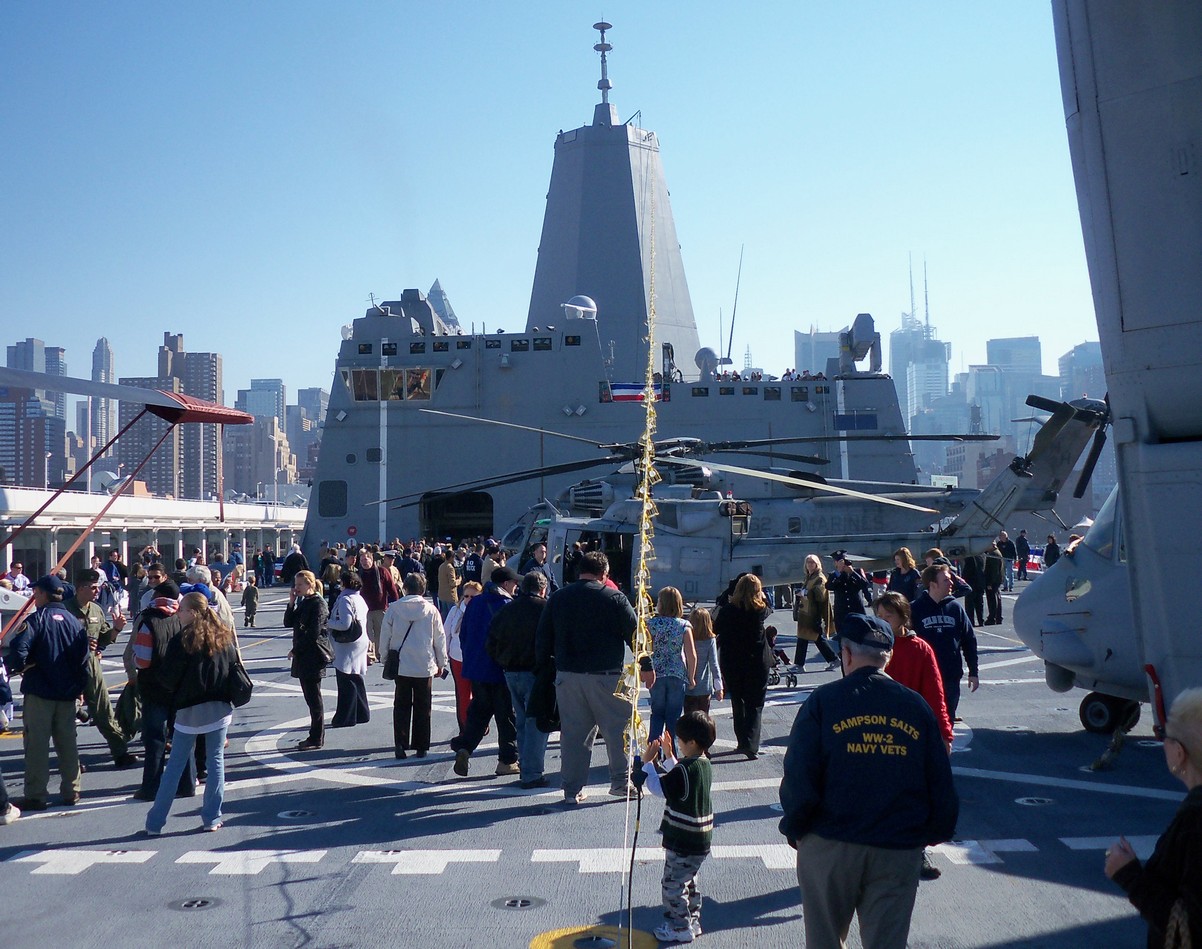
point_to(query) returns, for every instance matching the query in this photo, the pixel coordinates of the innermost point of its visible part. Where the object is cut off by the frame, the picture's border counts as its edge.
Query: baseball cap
(839, 555)
(866, 631)
(503, 575)
(52, 585)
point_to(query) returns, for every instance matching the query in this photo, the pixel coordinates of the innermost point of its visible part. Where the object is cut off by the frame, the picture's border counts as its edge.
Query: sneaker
(33, 804)
(832, 665)
(695, 927)
(11, 813)
(70, 800)
(151, 833)
(309, 745)
(667, 933)
(629, 791)
(535, 783)
(929, 871)
(506, 767)
(462, 757)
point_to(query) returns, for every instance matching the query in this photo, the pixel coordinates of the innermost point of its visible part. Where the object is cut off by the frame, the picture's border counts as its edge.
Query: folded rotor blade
(525, 428)
(512, 477)
(783, 456)
(797, 482)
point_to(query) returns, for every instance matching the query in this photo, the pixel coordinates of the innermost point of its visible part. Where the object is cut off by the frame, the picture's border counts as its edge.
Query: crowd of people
(539, 650)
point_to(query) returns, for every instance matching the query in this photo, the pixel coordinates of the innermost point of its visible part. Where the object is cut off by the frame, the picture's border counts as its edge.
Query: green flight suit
(95, 692)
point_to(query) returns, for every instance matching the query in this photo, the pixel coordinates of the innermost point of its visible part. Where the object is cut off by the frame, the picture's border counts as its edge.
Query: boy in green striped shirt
(688, 826)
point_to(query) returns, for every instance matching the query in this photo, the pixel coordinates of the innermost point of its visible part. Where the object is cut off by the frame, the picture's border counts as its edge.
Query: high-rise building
(189, 464)
(266, 398)
(56, 365)
(918, 362)
(258, 458)
(1017, 354)
(813, 350)
(315, 402)
(1082, 373)
(29, 354)
(104, 411)
(33, 440)
(163, 473)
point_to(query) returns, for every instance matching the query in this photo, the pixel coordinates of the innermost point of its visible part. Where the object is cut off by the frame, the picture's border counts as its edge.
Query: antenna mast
(912, 314)
(735, 309)
(603, 47)
(926, 297)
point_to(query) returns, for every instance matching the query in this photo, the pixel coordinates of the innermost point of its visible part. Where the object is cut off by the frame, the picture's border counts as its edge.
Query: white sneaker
(666, 933)
(10, 815)
(508, 767)
(832, 665)
(695, 927)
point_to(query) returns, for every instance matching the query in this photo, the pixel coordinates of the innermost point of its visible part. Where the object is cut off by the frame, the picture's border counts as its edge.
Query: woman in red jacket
(913, 663)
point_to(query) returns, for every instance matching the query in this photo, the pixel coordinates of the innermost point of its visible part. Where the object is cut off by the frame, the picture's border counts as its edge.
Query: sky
(248, 174)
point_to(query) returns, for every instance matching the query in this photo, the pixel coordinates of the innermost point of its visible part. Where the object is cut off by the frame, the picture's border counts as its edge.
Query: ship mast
(604, 113)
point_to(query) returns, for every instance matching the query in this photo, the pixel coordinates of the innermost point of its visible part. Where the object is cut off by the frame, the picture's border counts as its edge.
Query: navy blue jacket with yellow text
(866, 765)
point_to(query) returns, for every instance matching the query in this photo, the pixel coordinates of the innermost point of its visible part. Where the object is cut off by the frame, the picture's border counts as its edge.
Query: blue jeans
(181, 754)
(1009, 584)
(532, 743)
(667, 702)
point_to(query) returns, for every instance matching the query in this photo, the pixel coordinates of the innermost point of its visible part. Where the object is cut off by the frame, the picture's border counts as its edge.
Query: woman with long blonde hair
(814, 616)
(746, 657)
(196, 671)
(674, 659)
(708, 680)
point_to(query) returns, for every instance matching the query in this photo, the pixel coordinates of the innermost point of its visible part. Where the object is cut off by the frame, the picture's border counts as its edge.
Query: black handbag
(392, 662)
(348, 635)
(239, 685)
(324, 649)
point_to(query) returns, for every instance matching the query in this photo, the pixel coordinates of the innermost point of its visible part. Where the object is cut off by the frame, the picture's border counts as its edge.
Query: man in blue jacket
(941, 622)
(50, 652)
(490, 692)
(867, 785)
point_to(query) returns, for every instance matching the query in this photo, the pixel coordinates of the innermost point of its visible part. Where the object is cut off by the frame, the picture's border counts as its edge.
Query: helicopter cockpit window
(1101, 534)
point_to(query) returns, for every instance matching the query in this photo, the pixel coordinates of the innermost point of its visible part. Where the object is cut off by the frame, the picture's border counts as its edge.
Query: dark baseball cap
(52, 585)
(503, 575)
(839, 555)
(167, 590)
(866, 631)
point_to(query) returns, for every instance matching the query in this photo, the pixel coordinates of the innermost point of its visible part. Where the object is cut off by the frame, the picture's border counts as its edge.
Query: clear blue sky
(248, 173)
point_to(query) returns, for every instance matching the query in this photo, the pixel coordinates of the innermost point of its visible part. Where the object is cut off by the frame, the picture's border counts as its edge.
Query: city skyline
(831, 143)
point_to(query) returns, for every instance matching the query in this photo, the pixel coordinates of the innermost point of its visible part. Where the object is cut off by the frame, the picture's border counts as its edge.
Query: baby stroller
(781, 666)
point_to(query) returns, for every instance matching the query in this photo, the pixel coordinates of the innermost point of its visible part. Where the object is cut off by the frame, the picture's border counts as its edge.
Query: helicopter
(704, 537)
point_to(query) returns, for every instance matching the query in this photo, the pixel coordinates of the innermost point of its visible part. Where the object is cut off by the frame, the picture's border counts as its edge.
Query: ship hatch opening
(457, 515)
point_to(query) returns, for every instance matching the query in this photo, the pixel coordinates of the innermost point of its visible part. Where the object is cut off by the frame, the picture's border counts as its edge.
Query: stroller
(781, 667)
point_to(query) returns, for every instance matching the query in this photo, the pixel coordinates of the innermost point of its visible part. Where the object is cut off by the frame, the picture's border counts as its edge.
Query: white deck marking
(1144, 845)
(1041, 781)
(425, 862)
(1009, 662)
(774, 856)
(73, 862)
(599, 859)
(249, 862)
(982, 852)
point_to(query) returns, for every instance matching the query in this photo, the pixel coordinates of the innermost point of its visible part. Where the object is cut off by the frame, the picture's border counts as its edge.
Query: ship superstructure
(574, 369)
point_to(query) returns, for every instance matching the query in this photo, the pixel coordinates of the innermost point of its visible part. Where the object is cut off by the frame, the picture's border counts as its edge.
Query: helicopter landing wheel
(1102, 714)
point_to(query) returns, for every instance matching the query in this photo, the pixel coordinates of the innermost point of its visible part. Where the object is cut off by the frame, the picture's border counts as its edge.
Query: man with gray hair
(511, 643)
(867, 785)
(200, 574)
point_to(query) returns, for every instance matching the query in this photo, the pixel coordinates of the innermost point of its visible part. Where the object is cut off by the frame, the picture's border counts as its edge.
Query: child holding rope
(688, 823)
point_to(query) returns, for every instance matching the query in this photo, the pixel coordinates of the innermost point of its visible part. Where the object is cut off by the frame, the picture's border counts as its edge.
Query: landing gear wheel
(1102, 714)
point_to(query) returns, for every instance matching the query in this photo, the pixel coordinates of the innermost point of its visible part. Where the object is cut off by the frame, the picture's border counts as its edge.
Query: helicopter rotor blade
(797, 482)
(525, 428)
(1095, 452)
(762, 442)
(784, 456)
(512, 477)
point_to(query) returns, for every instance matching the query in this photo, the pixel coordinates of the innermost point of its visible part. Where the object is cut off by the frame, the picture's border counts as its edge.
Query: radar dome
(706, 360)
(580, 308)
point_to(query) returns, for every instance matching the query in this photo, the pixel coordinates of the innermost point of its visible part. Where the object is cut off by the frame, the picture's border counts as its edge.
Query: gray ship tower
(596, 240)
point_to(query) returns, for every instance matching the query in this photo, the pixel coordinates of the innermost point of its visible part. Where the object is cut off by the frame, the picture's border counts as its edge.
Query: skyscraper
(315, 402)
(104, 414)
(266, 398)
(56, 365)
(918, 362)
(1082, 373)
(33, 428)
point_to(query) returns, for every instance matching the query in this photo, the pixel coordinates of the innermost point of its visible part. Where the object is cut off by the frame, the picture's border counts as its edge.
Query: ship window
(442, 346)
(801, 393)
(374, 455)
(463, 344)
(392, 387)
(519, 345)
(751, 390)
(492, 344)
(365, 384)
(726, 390)
(794, 526)
(700, 391)
(417, 384)
(351, 458)
(331, 499)
(571, 340)
(416, 349)
(365, 349)
(388, 349)
(542, 344)
(771, 393)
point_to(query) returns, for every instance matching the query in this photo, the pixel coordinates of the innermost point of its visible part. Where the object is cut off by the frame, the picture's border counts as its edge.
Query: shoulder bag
(348, 635)
(392, 662)
(238, 685)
